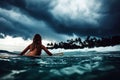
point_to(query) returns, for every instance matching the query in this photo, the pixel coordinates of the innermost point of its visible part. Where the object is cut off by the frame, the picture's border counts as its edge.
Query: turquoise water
(75, 66)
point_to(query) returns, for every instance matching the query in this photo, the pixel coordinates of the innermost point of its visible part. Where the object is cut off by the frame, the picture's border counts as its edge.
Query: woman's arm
(25, 50)
(46, 50)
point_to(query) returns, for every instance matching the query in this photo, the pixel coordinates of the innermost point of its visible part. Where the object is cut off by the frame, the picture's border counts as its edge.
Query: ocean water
(89, 65)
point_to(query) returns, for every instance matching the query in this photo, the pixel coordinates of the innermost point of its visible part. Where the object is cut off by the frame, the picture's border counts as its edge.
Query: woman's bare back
(34, 52)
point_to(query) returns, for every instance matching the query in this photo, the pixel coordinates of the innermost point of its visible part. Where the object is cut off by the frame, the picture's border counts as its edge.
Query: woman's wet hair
(37, 41)
(36, 38)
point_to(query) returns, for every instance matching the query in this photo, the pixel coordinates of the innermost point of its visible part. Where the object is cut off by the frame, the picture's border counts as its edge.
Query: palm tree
(48, 44)
(51, 44)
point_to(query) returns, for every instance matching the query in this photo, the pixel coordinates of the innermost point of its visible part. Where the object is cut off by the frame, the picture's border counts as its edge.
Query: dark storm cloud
(10, 28)
(15, 21)
(107, 22)
(110, 22)
(63, 17)
(109, 19)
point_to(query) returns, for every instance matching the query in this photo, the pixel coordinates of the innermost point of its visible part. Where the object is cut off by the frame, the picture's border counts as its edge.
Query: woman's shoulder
(42, 46)
(30, 45)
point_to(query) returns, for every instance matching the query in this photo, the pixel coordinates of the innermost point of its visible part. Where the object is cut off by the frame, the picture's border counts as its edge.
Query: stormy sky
(59, 19)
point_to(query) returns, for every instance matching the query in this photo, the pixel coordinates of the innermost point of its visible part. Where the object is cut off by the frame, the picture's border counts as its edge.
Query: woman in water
(36, 47)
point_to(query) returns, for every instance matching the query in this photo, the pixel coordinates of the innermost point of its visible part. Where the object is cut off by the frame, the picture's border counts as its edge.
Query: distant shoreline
(89, 42)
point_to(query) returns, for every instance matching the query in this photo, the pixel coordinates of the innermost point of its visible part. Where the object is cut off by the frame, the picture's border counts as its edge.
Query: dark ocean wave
(85, 66)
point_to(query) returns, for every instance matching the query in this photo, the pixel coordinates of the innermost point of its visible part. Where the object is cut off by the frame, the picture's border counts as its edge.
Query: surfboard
(58, 54)
(7, 55)
(55, 55)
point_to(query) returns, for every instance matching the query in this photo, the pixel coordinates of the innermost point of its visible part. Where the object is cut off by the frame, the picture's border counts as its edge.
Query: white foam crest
(97, 49)
(11, 75)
